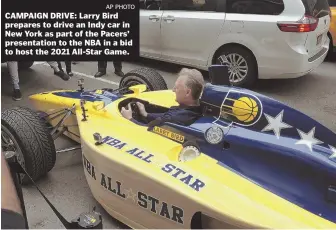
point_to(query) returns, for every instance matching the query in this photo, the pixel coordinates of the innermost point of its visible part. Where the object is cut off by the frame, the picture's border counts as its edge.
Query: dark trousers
(67, 65)
(102, 65)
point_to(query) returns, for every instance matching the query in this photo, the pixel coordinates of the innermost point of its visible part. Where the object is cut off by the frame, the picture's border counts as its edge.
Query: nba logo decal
(240, 108)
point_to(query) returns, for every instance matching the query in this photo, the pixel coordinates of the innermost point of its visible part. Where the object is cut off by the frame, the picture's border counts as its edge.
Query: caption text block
(70, 30)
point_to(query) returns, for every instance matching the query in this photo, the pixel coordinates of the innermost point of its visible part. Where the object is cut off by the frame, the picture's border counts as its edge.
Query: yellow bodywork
(126, 176)
(333, 24)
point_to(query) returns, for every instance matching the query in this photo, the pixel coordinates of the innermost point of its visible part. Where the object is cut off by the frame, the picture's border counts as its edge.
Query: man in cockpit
(188, 88)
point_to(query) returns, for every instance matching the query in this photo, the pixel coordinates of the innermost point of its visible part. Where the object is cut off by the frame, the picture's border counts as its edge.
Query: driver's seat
(211, 100)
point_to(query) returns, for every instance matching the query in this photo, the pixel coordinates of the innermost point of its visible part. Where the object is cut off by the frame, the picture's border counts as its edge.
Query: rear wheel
(23, 132)
(151, 78)
(331, 53)
(243, 70)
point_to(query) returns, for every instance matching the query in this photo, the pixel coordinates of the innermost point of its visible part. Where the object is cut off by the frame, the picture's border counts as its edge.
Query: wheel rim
(9, 143)
(237, 66)
(133, 83)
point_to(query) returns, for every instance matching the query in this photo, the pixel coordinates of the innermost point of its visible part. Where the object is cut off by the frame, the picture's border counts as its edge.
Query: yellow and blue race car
(249, 162)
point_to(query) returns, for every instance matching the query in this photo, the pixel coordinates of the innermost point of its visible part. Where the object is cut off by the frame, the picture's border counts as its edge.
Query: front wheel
(332, 51)
(23, 132)
(147, 76)
(243, 69)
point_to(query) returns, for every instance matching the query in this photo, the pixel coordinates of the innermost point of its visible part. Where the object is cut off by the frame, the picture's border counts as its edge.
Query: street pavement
(66, 187)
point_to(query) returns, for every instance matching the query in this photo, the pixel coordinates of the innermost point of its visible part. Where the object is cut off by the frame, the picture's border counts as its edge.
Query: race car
(248, 162)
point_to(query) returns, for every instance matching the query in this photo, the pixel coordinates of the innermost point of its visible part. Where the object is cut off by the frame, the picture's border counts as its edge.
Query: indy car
(248, 162)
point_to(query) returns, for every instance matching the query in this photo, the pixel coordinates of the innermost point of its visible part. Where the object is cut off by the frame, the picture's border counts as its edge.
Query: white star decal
(130, 195)
(308, 139)
(275, 124)
(159, 162)
(333, 152)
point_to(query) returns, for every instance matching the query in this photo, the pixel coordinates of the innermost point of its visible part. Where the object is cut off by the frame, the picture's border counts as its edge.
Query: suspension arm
(60, 123)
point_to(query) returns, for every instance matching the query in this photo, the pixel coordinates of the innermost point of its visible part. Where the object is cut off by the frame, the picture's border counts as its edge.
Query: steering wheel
(135, 111)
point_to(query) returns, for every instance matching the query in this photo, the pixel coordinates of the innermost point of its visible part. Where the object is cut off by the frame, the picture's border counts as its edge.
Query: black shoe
(119, 73)
(17, 96)
(62, 75)
(70, 73)
(99, 74)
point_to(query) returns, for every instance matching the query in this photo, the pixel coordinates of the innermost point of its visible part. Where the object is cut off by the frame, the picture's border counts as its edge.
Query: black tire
(331, 54)
(23, 65)
(33, 139)
(151, 78)
(252, 73)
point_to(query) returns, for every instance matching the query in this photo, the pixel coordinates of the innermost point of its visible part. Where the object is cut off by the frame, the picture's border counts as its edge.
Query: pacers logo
(245, 109)
(241, 108)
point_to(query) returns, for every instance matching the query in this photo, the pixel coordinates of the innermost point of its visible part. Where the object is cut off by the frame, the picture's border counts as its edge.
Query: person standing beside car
(13, 70)
(102, 65)
(57, 71)
(68, 68)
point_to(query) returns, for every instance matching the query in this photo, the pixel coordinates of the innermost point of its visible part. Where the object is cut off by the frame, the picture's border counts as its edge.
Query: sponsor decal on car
(184, 176)
(136, 152)
(161, 162)
(240, 108)
(140, 198)
(168, 134)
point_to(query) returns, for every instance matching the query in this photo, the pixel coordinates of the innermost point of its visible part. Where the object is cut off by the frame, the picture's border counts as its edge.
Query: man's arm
(181, 117)
(149, 118)
(137, 122)
(152, 116)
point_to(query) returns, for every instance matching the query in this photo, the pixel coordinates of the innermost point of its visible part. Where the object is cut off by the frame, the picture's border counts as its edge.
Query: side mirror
(137, 89)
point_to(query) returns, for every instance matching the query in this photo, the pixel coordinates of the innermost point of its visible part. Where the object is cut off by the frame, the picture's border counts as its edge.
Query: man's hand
(142, 109)
(127, 112)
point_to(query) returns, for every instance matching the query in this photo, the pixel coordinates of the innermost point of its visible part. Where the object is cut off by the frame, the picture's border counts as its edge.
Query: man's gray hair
(194, 81)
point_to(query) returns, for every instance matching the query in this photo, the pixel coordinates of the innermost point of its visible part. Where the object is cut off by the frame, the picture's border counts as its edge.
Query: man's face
(181, 91)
